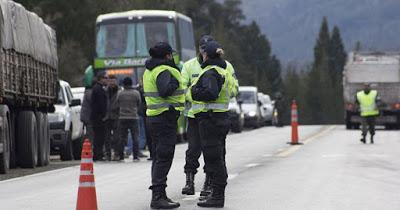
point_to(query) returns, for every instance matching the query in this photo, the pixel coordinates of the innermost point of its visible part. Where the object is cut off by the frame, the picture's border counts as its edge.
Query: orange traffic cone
(87, 191)
(295, 124)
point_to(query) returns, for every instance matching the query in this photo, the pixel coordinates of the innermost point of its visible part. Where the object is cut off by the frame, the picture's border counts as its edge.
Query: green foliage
(319, 90)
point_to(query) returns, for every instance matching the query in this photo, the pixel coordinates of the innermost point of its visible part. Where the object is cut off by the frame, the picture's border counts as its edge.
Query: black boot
(215, 200)
(372, 139)
(160, 200)
(206, 187)
(363, 139)
(189, 188)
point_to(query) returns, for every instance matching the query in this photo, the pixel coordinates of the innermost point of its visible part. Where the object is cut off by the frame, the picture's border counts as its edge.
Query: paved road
(332, 170)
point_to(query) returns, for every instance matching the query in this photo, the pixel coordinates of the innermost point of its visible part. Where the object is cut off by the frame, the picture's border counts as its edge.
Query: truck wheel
(5, 139)
(66, 151)
(42, 141)
(77, 147)
(27, 139)
(47, 140)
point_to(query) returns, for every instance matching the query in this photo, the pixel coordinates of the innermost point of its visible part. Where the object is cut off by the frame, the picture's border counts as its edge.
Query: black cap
(127, 81)
(160, 50)
(204, 39)
(211, 48)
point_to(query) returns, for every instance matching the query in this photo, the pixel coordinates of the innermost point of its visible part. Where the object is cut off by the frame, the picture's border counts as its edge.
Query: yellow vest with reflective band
(191, 70)
(368, 103)
(221, 104)
(155, 103)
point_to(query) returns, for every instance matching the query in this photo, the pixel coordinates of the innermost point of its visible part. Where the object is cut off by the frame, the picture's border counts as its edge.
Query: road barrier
(87, 191)
(295, 124)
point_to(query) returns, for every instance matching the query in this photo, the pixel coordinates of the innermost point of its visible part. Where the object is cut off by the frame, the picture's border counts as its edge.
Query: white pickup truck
(66, 129)
(382, 71)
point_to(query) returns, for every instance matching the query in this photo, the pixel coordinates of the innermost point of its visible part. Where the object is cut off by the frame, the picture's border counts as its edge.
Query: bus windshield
(132, 39)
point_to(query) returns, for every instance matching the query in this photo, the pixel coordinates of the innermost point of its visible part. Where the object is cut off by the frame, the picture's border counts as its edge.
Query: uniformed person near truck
(164, 95)
(210, 93)
(190, 71)
(367, 101)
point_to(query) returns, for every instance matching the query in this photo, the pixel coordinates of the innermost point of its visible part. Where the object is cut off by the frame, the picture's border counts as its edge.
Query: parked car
(66, 129)
(250, 106)
(236, 115)
(78, 92)
(266, 108)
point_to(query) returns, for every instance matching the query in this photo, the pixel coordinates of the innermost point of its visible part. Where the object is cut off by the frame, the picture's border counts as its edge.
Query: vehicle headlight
(60, 118)
(252, 114)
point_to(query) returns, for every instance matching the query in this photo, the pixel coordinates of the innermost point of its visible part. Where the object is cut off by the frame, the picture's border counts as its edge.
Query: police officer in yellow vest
(190, 72)
(367, 100)
(164, 95)
(210, 93)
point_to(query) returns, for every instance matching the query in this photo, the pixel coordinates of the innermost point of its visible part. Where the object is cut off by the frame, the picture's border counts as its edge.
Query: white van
(250, 105)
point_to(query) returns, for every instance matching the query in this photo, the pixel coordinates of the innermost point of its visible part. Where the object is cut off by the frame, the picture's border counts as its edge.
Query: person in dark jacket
(85, 112)
(164, 95)
(128, 101)
(112, 116)
(98, 115)
(142, 113)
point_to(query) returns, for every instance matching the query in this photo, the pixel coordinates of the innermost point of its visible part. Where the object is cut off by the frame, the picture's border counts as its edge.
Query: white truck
(382, 71)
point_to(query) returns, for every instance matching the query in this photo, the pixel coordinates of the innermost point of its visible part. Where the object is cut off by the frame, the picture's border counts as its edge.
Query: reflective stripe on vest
(156, 94)
(165, 105)
(209, 106)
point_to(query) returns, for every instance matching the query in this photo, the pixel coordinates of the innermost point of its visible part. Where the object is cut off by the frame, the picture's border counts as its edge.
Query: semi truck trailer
(28, 87)
(382, 72)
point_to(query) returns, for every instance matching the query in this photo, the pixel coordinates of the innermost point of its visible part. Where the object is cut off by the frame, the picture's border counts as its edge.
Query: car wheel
(77, 148)
(66, 152)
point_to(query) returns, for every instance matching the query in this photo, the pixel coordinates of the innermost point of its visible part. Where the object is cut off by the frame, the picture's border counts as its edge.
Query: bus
(124, 38)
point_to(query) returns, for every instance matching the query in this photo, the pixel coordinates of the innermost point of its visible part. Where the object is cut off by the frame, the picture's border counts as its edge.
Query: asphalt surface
(332, 170)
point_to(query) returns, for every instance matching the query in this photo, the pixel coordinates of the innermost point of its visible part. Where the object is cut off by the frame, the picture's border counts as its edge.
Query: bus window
(116, 40)
(150, 33)
(187, 39)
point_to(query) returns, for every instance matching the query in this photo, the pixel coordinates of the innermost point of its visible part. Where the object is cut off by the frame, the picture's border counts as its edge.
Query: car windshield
(61, 98)
(133, 39)
(247, 97)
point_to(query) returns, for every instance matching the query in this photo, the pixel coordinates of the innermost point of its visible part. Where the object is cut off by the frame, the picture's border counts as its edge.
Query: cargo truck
(28, 87)
(382, 71)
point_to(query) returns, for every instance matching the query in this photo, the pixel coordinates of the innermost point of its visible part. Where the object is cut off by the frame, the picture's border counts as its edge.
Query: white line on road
(292, 149)
(232, 176)
(251, 165)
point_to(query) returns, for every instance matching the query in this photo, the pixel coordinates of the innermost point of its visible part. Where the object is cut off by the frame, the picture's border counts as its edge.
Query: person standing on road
(86, 110)
(112, 116)
(190, 71)
(98, 114)
(367, 100)
(128, 101)
(211, 93)
(164, 95)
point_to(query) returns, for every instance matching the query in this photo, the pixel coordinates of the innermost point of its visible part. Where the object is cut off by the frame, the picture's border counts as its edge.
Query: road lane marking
(267, 155)
(232, 176)
(251, 165)
(290, 150)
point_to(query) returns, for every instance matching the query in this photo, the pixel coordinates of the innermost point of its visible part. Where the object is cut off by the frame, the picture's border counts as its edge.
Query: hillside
(292, 25)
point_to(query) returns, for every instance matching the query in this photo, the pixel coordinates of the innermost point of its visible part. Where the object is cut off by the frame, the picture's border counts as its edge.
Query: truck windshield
(247, 97)
(132, 39)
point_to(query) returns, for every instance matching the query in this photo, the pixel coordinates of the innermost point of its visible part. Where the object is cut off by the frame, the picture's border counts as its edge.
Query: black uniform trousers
(99, 136)
(163, 130)
(213, 128)
(194, 147)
